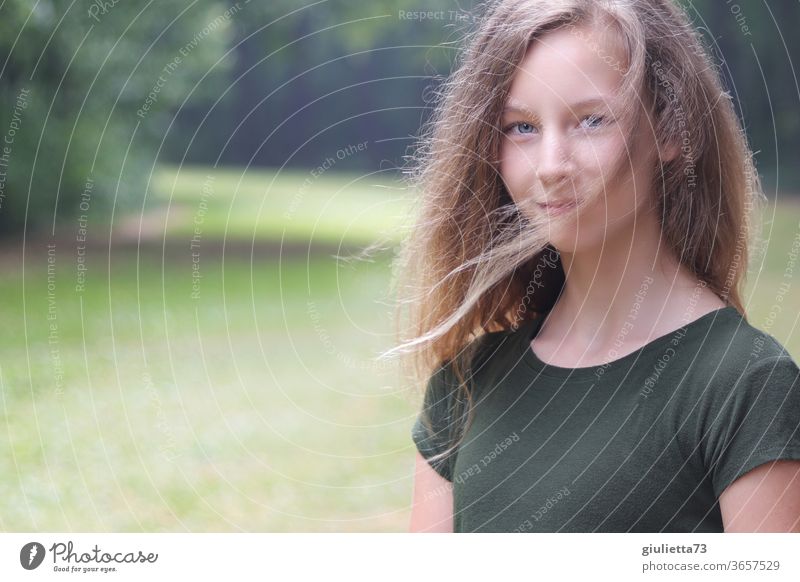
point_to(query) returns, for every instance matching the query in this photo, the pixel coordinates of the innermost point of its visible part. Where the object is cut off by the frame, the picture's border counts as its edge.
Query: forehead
(516, 106)
(573, 65)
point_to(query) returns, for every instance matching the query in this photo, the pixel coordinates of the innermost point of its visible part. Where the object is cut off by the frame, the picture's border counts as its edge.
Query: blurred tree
(74, 79)
(313, 77)
(754, 44)
(99, 90)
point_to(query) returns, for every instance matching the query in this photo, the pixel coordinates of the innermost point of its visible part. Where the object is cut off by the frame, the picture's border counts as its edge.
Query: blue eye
(524, 127)
(595, 120)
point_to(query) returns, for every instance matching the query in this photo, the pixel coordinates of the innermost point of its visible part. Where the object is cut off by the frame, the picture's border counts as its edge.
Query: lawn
(247, 399)
(243, 399)
(286, 205)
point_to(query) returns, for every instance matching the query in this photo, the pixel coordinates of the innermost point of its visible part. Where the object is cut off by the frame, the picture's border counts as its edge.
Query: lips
(556, 207)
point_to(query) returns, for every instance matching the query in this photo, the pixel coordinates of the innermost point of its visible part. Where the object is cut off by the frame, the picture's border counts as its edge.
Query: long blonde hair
(466, 267)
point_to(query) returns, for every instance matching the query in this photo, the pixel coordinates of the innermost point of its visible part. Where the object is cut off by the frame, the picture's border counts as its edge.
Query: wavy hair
(473, 263)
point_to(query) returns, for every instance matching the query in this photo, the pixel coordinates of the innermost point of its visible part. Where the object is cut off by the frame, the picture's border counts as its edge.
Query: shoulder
(744, 364)
(490, 349)
(747, 402)
(730, 362)
(475, 359)
(732, 341)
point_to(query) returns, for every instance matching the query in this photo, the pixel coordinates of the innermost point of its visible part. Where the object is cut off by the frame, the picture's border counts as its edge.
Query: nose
(554, 161)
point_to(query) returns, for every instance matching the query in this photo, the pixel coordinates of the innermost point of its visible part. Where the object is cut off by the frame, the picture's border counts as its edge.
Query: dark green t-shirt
(644, 443)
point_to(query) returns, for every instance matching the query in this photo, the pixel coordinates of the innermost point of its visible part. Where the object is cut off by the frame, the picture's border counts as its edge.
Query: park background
(190, 325)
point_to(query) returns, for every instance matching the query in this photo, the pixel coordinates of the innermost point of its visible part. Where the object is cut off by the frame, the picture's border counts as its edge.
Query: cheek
(513, 168)
(630, 189)
(601, 156)
(507, 159)
(603, 168)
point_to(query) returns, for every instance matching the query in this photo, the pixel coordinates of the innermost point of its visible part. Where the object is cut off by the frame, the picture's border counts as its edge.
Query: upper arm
(766, 499)
(750, 423)
(432, 505)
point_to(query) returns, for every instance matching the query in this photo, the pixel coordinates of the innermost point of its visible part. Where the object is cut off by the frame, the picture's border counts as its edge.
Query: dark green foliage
(86, 69)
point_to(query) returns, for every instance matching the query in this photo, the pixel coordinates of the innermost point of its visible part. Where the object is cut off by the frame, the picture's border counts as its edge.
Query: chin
(574, 240)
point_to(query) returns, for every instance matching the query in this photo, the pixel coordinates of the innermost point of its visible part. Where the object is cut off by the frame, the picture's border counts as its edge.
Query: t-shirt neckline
(529, 329)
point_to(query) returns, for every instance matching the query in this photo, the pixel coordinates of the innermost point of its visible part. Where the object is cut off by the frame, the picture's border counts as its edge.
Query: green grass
(289, 205)
(772, 306)
(256, 406)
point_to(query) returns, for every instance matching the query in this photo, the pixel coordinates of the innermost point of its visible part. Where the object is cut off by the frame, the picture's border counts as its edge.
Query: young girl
(573, 288)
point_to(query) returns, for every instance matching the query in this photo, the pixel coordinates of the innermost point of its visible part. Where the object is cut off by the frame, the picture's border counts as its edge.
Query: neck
(629, 283)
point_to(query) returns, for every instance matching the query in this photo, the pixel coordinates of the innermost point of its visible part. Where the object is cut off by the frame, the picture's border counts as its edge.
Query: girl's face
(561, 142)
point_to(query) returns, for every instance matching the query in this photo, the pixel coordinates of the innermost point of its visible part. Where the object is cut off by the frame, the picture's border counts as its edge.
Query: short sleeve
(759, 421)
(435, 428)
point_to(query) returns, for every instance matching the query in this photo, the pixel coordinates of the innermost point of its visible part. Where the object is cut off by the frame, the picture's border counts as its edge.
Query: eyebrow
(577, 105)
